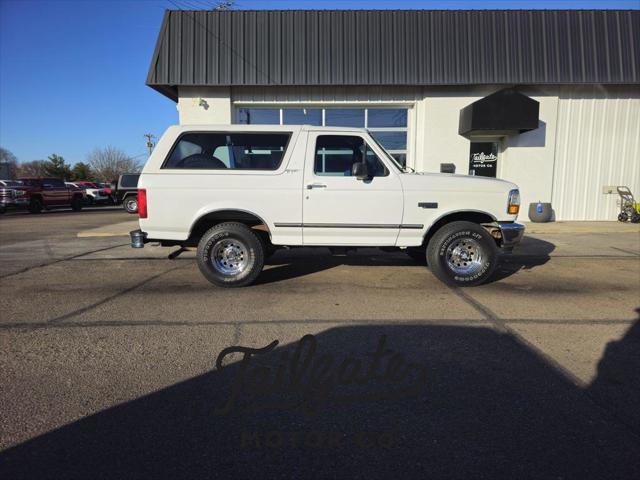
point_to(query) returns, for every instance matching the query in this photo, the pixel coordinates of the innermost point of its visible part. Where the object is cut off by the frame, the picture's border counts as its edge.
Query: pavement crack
(623, 250)
(483, 310)
(501, 326)
(82, 310)
(64, 259)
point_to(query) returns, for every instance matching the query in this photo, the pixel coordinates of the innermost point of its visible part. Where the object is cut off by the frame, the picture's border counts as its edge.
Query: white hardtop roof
(263, 128)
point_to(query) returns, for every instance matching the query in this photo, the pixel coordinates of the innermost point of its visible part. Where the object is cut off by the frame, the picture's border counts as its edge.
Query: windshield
(30, 182)
(388, 155)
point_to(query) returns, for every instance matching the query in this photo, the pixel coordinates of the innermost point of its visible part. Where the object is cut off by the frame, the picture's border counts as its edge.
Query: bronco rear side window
(228, 151)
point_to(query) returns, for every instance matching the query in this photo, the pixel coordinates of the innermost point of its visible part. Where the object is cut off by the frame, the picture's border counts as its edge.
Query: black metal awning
(505, 112)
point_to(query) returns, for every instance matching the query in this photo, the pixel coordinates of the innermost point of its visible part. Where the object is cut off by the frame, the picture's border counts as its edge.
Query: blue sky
(72, 73)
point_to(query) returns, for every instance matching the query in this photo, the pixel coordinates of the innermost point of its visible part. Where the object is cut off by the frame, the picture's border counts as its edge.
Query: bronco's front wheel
(462, 254)
(230, 255)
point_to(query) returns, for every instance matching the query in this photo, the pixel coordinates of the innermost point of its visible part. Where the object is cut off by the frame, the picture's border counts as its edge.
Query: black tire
(130, 204)
(462, 254)
(3, 209)
(76, 204)
(35, 205)
(418, 254)
(623, 217)
(233, 247)
(635, 218)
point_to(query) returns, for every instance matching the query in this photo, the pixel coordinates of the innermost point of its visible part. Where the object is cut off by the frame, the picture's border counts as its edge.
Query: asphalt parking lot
(108, 359)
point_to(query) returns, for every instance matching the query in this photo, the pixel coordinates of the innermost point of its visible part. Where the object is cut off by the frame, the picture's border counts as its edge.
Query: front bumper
(14, 202)
(512, 233)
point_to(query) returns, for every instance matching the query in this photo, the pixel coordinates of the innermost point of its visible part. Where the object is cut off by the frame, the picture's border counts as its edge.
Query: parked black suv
(126, 191)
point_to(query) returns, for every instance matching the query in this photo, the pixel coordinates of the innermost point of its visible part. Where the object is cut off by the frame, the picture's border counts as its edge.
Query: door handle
(316, 185)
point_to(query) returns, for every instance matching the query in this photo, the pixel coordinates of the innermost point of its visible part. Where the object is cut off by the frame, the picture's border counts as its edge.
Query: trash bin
(540, 212)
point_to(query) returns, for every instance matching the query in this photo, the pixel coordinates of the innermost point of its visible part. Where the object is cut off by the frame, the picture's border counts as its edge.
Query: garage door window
(389, 126)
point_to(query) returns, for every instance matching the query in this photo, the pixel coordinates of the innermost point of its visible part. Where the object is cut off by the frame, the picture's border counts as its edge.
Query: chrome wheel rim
(465, 256)
(133, 205)
(230, 257)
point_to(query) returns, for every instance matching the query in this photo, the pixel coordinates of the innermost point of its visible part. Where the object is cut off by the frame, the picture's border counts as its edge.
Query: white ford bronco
(239, 192)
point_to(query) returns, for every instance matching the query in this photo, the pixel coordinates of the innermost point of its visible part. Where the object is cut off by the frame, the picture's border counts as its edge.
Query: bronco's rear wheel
(462, 254)
(230, 255)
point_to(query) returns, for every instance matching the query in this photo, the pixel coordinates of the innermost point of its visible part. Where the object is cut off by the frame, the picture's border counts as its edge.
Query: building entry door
(483, 159)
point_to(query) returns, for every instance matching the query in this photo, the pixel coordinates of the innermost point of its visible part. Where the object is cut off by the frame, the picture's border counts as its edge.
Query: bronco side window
(336, 154)
(233, 151)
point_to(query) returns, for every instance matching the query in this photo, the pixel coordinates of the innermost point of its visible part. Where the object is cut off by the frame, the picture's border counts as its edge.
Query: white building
(408, 76)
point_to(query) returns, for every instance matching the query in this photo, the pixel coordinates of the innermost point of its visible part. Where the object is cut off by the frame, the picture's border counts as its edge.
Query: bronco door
(338, 207)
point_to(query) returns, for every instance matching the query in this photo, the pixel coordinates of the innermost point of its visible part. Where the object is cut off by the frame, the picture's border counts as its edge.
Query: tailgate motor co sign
(483, 159)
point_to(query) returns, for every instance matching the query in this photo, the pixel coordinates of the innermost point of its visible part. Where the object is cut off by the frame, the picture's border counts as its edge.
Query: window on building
(388, 125)
(302, 116)
(344, 117)
(239, 151)
(259, 116)
(336, 154)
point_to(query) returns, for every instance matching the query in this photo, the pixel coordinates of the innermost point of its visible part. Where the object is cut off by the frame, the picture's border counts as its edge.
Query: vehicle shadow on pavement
(530, 253)
(449, 402)
(298, 262)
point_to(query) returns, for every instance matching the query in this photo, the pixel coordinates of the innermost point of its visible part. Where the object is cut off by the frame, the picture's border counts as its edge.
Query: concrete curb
(581, 227)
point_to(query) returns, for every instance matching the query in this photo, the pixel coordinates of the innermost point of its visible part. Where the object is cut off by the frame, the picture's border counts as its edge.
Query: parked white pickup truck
(239, 192)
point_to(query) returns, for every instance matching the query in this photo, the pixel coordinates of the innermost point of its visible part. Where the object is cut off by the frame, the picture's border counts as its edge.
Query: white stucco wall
(528, 159)
(204, 105)
(588, 137)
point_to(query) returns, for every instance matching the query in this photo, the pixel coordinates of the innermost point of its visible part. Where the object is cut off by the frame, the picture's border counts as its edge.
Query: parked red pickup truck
(50, 193)
(12, 195)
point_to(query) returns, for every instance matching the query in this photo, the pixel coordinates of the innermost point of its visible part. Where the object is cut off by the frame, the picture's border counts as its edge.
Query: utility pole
(150, 143)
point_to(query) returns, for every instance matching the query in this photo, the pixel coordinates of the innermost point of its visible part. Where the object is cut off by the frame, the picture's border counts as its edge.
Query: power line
(209, 5)
(191, 5)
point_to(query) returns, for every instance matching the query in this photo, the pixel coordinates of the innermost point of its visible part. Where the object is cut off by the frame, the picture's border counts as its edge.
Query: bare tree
(34, 168)
(8, 164)
(110, 162)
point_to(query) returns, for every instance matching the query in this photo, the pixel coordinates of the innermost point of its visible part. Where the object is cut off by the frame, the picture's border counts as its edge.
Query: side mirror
(360, 171)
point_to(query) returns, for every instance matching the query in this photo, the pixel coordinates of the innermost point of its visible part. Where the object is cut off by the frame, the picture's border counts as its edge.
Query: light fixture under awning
(505, 112)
